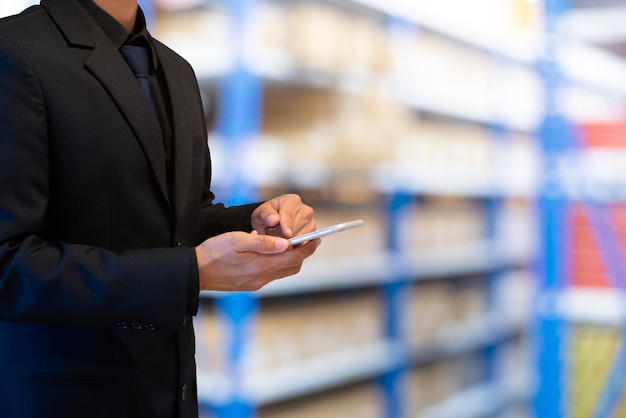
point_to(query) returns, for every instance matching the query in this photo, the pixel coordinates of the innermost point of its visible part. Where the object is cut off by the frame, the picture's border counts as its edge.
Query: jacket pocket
(53, 395)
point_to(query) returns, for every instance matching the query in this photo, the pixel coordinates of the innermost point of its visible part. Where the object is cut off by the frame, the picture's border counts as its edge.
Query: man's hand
(238, 261)
(284, 216)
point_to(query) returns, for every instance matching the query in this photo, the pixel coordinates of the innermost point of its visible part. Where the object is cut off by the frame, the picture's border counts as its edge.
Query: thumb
(266, 244)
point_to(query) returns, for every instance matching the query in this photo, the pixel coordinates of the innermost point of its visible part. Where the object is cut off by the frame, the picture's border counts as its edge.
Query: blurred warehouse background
(484, 144)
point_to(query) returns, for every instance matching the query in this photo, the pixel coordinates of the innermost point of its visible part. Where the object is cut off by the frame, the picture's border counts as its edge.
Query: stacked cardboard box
(290, 330)
(432, 307)
(441, 224)
(362, 401)
(433, 383)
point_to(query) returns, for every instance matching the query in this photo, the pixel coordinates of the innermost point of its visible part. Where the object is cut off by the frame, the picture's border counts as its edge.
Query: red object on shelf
(587, 267)
(603, 134)
(586, 263)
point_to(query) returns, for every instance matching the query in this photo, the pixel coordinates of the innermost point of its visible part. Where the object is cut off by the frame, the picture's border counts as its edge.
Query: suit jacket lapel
(183, 131)
(107, 65)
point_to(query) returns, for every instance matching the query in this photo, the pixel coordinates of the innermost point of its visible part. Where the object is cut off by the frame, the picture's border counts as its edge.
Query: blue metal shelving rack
(239, 98)
(391, 382)
(551, 330)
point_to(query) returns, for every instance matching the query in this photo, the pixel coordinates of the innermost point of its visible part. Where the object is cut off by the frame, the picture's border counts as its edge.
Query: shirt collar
(118, 34)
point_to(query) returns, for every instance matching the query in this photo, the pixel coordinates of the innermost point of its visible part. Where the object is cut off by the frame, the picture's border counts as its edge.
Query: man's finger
(288, 213)
(269, 216)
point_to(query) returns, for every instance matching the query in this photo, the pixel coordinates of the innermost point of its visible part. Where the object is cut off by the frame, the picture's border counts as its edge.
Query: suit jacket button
(183, 392)
(122, 325)
(137, 326)
(178, 241)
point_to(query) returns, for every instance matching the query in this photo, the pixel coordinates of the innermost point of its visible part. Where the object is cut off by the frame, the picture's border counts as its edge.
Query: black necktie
(137, 59)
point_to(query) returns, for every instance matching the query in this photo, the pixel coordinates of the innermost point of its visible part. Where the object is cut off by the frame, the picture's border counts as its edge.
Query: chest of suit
(108, 184)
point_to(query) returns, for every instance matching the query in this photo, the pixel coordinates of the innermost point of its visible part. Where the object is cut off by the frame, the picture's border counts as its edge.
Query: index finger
(288, 213)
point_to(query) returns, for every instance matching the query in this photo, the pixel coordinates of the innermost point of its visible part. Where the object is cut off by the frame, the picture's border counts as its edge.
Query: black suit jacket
(94, 257)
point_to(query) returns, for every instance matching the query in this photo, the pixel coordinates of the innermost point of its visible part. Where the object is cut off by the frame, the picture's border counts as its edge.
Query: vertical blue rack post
(147, 6)
(492, 209)
(239, 104)
(391, 381)
(238, 121)
(555, 137)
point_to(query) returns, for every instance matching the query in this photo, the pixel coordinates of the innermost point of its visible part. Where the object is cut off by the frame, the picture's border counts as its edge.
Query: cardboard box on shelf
(362, 401)
(270, 26)
(366, 128)
(311, 47)
(428, 310)
(291, 329)
(431, 307)
(441, 225)
(468, 299)
(448, 74)
(368, 239)
(429, 385)
(297, 109)
(447, 156)
(341, 136)
(206, 26)
(325, 323)
(364, 47)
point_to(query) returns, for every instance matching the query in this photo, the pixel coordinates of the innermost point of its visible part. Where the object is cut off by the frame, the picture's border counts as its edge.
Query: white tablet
(326, 231)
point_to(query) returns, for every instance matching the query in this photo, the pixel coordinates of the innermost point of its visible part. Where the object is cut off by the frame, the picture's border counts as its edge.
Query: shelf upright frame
(555, 136)
(147, 6)
(392, 382)
(237, 123)
(393, 292)
(492, 208)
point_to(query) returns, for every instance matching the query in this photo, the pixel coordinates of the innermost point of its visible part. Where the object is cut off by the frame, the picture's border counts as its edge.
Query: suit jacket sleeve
(43, 280)
(215, 219)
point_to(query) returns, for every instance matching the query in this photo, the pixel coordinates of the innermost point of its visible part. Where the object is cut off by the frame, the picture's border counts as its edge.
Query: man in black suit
(108, 230)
